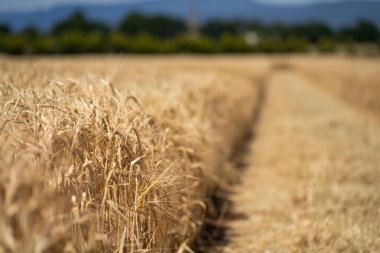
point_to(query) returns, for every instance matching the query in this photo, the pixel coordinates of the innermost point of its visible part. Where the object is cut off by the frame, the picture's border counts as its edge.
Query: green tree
(30, 33)
(233, 44)
(118, 42)
(71, 42)
(94, 42)
(363, 31)
(146, 43)
(195, 45)
(157, 26)
(277, 45)
(216, 28)
(4, 29)
(313, 31)
(13, 44)
(326, 45)
(45, 45)
(78, 23)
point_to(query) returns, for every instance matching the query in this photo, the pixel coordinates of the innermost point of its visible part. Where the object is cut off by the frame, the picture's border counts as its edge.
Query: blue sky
(9, 5)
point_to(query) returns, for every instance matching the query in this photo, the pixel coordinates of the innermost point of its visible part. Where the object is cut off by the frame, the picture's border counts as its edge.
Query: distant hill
(336, 14)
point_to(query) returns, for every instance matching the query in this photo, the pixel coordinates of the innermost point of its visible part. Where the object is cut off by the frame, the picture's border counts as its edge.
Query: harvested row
(119, 160)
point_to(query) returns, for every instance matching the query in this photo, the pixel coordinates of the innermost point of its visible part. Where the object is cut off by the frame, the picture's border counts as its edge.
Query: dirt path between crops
(313, 181)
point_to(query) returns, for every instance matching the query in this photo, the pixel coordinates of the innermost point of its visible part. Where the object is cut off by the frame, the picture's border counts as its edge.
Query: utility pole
(192, 19)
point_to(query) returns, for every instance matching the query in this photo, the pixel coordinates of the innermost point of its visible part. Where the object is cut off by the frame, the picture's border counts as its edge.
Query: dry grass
(113, 156)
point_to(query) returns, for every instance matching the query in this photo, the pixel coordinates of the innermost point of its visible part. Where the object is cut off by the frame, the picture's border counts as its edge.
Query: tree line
(137, 33)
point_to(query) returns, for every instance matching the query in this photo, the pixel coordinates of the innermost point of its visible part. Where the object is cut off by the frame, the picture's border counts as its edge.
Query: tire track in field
(311, 184)
(213, 234)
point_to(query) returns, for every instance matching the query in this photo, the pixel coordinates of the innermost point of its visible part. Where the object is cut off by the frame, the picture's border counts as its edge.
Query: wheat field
(125, 153)
(356, 80)
(118, 156)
